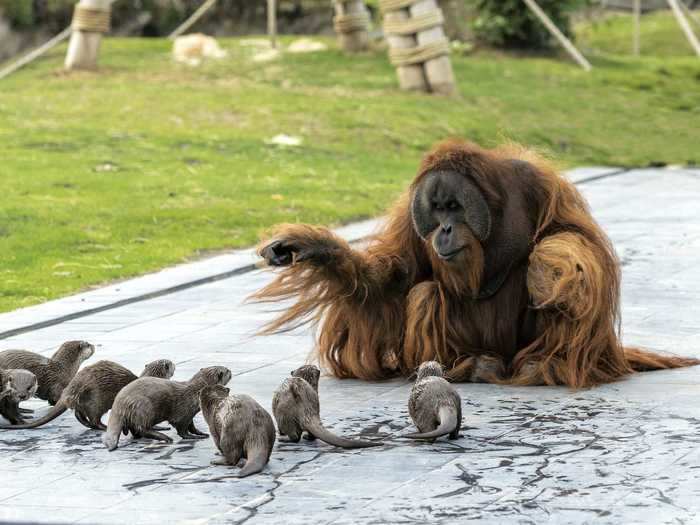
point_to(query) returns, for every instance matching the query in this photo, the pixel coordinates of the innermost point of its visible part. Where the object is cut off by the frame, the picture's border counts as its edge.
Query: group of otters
(240, 427)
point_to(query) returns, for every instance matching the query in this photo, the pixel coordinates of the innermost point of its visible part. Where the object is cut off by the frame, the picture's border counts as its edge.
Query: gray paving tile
(621, 453)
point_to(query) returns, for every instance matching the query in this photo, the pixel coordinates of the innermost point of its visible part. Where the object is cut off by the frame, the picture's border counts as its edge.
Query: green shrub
(20, 13)
(511, 24)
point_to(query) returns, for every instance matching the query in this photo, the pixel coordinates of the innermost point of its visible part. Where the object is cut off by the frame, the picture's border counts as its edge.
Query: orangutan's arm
(320, 268)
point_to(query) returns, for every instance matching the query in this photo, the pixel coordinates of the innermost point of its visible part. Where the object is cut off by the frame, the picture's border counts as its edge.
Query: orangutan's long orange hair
(383, 310)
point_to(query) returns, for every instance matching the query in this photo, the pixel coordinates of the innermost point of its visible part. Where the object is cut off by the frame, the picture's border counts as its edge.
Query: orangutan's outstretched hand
(294, 243)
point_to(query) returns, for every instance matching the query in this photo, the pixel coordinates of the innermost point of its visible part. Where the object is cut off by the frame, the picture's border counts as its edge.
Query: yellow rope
(91, 20)
(393, 5)
(418, 54)
(351, 22)
(414, 24)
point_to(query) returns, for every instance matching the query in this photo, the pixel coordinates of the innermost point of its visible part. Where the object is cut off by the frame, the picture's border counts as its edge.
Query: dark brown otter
(144, 403)
(53, 374)
(92, 391)
(297, 409)
(435, 406)
(240, 428)
(15, 386)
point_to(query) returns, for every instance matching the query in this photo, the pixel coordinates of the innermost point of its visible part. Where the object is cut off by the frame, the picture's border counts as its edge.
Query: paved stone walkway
(622, 453)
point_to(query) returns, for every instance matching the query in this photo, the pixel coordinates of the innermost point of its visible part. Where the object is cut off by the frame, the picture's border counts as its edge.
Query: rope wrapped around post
(351, 23)
(419, 54)
(91, 20)
(418, 47)
(414, 25)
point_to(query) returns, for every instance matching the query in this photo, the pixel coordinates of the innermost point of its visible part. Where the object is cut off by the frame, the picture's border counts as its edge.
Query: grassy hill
(147, 162)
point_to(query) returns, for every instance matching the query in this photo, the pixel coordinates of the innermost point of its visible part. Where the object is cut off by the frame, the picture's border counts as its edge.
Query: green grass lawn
(148, 163)
(659, 35)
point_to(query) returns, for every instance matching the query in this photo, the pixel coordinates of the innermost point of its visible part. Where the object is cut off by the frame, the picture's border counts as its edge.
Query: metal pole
(637, 16)
(272, 22)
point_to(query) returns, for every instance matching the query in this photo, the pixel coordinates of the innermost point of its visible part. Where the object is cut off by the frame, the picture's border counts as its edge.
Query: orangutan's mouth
(450, 255)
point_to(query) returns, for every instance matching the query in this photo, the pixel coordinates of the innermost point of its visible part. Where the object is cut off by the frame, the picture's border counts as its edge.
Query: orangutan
(490, 263)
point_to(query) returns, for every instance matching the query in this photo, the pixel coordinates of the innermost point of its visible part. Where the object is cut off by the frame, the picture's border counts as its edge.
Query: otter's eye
(452, 205)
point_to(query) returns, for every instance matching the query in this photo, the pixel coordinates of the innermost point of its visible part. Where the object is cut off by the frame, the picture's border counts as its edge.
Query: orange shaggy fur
(383, 310)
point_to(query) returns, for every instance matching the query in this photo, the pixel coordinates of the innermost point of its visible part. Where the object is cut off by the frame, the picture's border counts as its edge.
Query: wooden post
(554, 30)
(272, 22)
(438, 70)
(351, 22)
(685, 26)
(417, 45)
(90, 21)
(637, 17)
(411, 76)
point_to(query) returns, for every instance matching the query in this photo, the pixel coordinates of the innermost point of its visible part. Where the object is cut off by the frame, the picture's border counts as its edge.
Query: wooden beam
(36, 53)
(554, 30)
(689, 14)
(685, 26)
(194, 17)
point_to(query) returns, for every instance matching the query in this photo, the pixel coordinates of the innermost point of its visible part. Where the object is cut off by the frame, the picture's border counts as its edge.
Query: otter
(434, 405)
(297, 409)
(53, 374)
(239, 427)
(91, 393)
(144, 403)
(15, 386)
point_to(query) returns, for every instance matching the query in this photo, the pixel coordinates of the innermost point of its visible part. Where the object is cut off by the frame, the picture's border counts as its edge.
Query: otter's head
(211, 394)
(23, 383)
(308, 373)
(212, 375)
(74, 352)
(163, 368)
(429, 368)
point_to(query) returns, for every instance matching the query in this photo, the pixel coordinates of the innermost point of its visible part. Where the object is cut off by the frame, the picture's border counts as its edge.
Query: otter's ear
(227, 390)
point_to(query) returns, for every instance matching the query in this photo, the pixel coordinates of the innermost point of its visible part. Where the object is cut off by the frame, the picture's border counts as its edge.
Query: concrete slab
(622, 453)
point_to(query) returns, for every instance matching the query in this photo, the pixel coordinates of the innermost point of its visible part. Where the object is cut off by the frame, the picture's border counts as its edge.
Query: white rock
(192, 49)
(284, 140)
(306, 45)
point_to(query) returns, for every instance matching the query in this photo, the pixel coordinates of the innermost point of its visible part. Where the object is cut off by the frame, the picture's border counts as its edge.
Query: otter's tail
(317, 429)
(257, 459)
(643, 360)
(113, 432)
(448, 423)
(55, 411)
